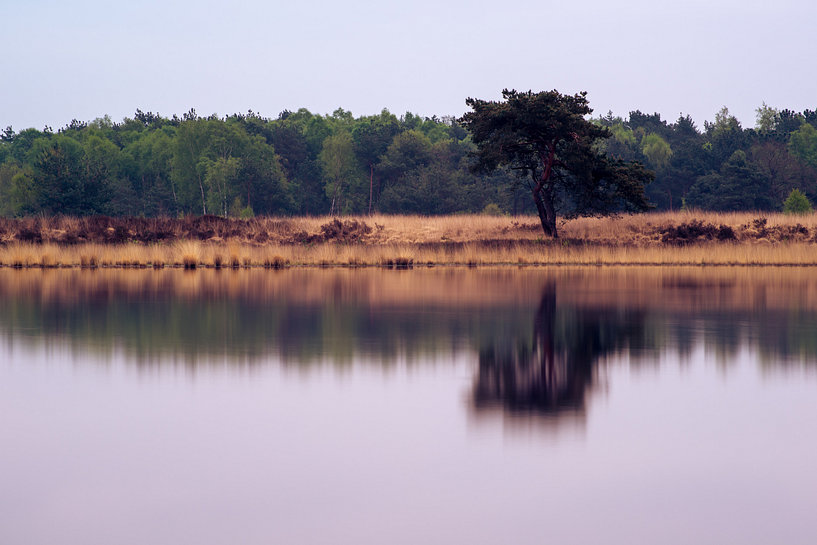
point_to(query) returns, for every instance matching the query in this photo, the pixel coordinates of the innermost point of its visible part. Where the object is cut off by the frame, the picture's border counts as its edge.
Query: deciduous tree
(339, 167)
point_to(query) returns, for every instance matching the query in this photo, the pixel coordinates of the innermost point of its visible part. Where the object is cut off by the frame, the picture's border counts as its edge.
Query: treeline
(245, 164)
(305, 163)
(724, 167)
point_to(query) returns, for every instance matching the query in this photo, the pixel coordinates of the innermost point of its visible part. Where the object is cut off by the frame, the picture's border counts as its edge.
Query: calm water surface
(428, 406)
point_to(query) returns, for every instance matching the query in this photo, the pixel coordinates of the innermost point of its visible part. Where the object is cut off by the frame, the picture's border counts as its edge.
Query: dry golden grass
(382, 229)
(191, 255)
(413, 241)
(646, 228)
(625, 229)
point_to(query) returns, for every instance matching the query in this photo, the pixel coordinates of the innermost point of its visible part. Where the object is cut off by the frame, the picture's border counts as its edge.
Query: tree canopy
(301, 162)
(246, 164)
(547, 138)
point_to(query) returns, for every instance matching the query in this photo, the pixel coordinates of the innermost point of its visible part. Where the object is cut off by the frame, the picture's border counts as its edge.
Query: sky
(82, 59)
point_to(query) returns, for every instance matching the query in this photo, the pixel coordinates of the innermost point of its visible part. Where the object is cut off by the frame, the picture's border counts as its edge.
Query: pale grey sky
(65, 59)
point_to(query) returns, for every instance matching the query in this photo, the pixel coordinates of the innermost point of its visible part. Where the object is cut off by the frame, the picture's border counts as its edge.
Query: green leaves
(796, 203)
(341, 171)
(803, 144)
(656, 150)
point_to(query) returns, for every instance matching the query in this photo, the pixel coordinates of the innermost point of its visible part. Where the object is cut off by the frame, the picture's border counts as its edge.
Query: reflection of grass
(688, 289)
(275, 262)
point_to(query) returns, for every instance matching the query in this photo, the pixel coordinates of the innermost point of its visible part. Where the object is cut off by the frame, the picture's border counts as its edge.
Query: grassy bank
(683, 238)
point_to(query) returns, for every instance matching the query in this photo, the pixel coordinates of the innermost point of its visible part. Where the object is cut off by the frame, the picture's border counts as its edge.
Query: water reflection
(259, 452)
(537, 332)
(553, 371)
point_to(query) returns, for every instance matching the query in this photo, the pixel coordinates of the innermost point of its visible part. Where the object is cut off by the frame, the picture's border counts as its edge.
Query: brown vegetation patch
(760, 229)
(754, 230)
(344, 231)
(695, 231)
(525, 226)
(29, 235)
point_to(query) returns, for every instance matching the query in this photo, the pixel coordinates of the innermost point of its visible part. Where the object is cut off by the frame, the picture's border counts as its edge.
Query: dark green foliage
(546, 138)
(739, 185)
(430, 180)
(288, 138)
(66, 181)
(246, 164)
(372, 137)
(725, 137)
(778, 157)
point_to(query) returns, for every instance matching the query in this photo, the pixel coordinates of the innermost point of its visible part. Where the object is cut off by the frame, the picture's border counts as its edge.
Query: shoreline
(209, 255)
(402, 242)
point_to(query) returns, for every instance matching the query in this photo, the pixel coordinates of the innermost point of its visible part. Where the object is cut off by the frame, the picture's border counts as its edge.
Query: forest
(301, 163)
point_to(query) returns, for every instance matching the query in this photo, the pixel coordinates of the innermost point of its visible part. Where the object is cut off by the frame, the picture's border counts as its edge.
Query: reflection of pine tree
(555, 370)
(537, 376)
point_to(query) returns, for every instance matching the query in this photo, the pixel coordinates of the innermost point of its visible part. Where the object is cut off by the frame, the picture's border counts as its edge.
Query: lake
(440, 405)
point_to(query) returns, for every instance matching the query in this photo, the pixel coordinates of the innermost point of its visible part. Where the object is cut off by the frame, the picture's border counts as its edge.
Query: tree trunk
(203, 204)
(201, 183)
(542, 193)
(547, 215)
(335, 198)
(371, 185)
(516, 195)
(172, 190)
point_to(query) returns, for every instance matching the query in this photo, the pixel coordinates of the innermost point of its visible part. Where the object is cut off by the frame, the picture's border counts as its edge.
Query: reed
(88, 261)
(189, 253)
(194, 255)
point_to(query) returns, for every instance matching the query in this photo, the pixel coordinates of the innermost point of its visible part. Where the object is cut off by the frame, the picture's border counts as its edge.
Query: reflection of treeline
(303, 163)
(782, 337)
(152, 329)
(508, 316)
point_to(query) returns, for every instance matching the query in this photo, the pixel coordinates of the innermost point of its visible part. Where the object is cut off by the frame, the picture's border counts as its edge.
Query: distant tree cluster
(724, 167)
(305, 163)
(246, 164)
